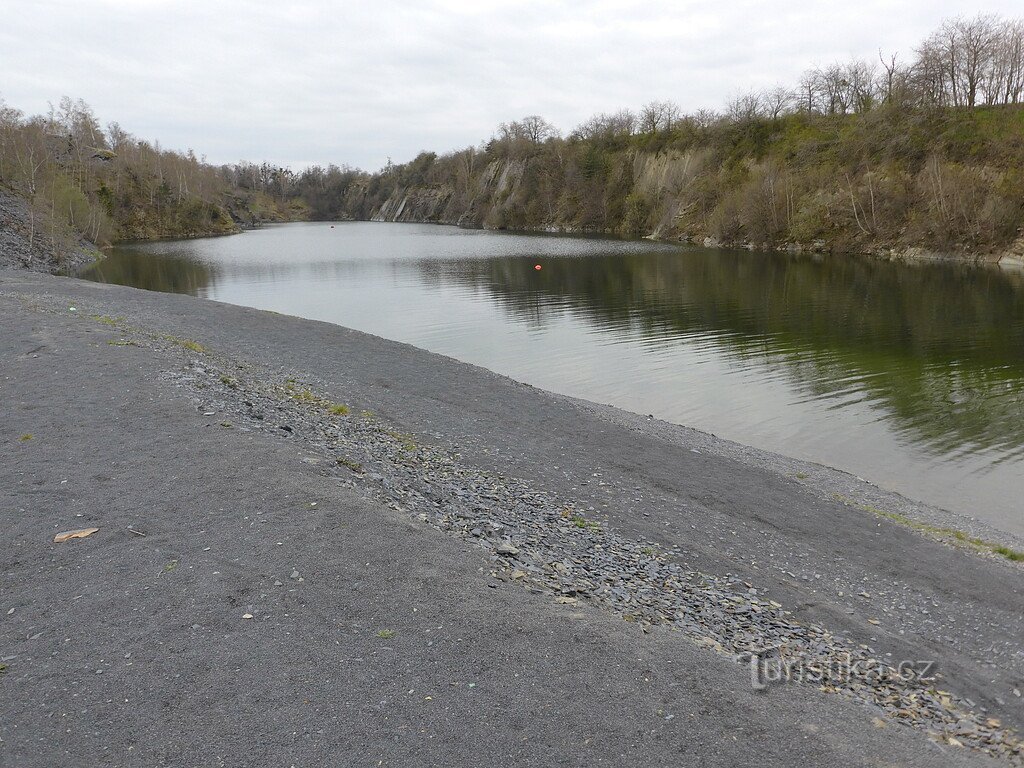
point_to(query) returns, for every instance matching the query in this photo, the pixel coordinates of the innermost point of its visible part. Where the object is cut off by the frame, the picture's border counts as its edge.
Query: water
(911, 376)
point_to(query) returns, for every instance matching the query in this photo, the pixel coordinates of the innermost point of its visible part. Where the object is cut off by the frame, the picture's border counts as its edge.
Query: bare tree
(659, 116)
(745, 107)
(777, 101)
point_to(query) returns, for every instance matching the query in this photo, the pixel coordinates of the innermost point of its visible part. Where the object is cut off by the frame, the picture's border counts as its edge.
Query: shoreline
(974, 499)
(712, 507)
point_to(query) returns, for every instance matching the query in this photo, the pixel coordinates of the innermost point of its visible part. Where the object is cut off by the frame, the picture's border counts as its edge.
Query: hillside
(917, 160)
(893, 182)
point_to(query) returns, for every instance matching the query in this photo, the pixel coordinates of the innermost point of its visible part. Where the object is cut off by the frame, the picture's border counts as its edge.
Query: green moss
(25, 438)
(385, 634)
(340, 410)
(227, 381)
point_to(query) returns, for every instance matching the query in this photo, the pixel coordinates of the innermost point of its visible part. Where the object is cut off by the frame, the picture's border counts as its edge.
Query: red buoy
(537, 267)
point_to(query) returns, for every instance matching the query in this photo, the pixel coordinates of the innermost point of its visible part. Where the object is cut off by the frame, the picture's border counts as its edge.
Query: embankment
(448, 543)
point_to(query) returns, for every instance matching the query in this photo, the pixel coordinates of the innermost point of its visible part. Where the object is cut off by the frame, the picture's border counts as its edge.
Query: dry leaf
(80, 534)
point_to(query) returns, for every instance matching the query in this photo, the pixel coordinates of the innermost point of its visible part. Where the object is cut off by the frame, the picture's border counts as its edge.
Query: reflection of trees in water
(939, 347)
(166, 273)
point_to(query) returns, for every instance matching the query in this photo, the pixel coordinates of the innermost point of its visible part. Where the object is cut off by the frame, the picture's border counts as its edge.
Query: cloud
(356, 83)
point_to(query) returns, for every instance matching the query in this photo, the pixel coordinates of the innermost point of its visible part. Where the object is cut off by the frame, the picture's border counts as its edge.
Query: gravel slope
(477, 668)
(18, 230)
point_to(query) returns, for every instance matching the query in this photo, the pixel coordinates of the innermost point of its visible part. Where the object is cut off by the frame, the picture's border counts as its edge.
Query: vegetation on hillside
(108, 185)
(856, 156)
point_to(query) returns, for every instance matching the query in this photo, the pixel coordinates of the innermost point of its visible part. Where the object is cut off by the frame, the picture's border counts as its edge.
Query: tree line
(864, 154)
(106, 184)
(926, 149)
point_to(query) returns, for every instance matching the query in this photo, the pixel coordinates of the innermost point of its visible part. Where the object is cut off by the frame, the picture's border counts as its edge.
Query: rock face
(424, 204)
(487, 201)
(25, 242)
(1013, 257)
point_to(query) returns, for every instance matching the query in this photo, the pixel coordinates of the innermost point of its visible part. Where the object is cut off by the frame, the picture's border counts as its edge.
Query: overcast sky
(345, 82)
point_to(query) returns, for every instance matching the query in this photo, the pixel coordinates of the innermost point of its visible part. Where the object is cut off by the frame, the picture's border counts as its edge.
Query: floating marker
(537, 267)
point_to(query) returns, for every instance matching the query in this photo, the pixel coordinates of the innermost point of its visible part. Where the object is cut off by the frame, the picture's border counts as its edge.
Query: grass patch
(227, 381)
(1009, 554)
(3, 668)
(951, 535)
(25, 438)
(107, 320)
(355, 466)
(385, 634)
(408, 444)
(307, 396)
(581, 522)
(192, 346)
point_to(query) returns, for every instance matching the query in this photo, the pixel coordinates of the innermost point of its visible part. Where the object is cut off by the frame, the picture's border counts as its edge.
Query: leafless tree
(777, 101)
(659, 116)
(745, 107)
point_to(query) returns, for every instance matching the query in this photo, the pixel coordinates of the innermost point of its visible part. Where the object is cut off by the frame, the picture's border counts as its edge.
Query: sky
(299, 82)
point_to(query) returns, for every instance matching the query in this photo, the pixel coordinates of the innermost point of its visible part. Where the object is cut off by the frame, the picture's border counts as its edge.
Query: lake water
(911, 376)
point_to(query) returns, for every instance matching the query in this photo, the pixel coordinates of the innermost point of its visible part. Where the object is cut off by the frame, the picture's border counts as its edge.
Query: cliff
(898, 185)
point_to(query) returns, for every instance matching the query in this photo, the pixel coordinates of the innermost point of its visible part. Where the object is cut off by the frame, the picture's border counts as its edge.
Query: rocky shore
(406, 559)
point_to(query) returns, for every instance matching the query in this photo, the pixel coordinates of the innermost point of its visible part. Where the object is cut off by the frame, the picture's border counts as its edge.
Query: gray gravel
(547, 544)
(610, 522)
(17, 231)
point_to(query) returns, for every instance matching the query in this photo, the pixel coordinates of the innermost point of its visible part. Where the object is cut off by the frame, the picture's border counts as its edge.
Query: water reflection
(940, 347)
(168, 273)
(909, 375)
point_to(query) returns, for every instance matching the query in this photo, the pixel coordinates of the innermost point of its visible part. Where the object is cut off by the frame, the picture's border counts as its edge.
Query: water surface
(911, 376)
